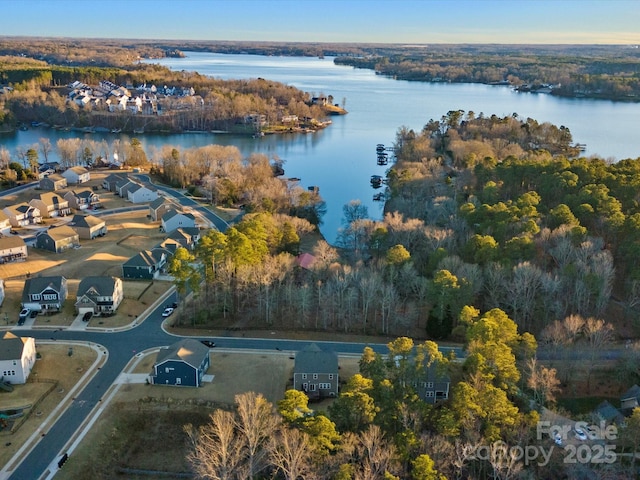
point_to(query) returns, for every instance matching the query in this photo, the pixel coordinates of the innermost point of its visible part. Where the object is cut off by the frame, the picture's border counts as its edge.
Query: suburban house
(5, 224)
(88, 227)
(76, 175)
(138, 193)
(50, 205)
(82, 199)
(159, 207)
(315, 372)
(99, 295)
(58, 239)
(53, 182)
(12, 248)
(607, 412)
(112, 180)
(17, 358)
(630, 400)
(183, 364)
(44, 293)
(170, 245)
(186, 237)
(22, 214)
(145, 265)
(174, 219)
(433, 385)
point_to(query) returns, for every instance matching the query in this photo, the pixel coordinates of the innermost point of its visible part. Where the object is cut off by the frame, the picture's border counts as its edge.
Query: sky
(361, 21)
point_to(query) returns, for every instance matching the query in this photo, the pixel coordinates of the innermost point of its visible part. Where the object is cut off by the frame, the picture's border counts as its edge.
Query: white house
(174, 219)
(17, 358)
(5, 224)
(138, 193)
(76, 175)
(22, 214)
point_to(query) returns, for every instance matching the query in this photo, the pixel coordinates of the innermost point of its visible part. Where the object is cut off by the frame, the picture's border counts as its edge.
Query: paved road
(185, 201)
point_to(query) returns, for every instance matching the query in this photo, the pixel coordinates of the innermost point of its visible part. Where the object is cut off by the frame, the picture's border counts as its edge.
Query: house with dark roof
(88, 227)
(138, 193)
(53, 182)
(17, 358)
(174, 219)
(51, 205)
(145, 265)
(188, 237)
(182, 364)
(12, 249)
(159, 207)
(22, 214)
(607, 412)
(82, 199)
(99, 295)
(315, 372)
(630, 400)
(432, 385)
(58, 239)
(44, 293)
(112, 180)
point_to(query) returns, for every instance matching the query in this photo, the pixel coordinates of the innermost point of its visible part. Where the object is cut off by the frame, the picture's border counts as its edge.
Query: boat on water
(378, 197)
(376, 181)
(116, 130)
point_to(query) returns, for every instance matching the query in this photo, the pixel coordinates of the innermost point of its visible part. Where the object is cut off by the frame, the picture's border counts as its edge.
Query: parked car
(87, 316)
(24, 314)
(33, 314)
(167, 311)
(208, 343)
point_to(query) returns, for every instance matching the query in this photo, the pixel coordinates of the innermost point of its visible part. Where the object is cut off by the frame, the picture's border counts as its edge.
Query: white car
(580, 435)
(167, 311)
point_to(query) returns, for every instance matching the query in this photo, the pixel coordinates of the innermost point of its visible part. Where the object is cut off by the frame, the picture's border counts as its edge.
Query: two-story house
(112, 180)
(12, 249)
(88, 227)
(17, 358)
(44, 294)
(76, 175)
(145, 265)
(82, 199)
(22, 214)
(174, 219)
(99, 295)
(138, 193)
(5, 224)
(315, 372)
(50, 205)
(58, 239)
(159, 207)
(182, 364)
(53, 182)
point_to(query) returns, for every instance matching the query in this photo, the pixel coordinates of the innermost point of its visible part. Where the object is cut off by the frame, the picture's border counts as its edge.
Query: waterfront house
(82, 199)
(182, 364)
(12, 249)
(76, 175)
(315, 372)
(58, 239)
(145, 265)
(99, 295)
(174, 219)
(44, 294)
(50, 205)
(17, 358)
(22, 214)
(88, 227)
(53, 182)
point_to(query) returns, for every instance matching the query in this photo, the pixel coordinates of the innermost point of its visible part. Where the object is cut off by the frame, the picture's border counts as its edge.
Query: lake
(341, 158)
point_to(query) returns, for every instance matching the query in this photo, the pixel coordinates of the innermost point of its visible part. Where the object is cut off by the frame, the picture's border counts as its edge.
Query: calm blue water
(341, 158)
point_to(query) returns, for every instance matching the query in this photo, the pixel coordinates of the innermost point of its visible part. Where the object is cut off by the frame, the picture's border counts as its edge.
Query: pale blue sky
(384, 21)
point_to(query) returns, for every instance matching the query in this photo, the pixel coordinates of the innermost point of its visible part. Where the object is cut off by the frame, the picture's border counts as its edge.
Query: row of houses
(100, 295)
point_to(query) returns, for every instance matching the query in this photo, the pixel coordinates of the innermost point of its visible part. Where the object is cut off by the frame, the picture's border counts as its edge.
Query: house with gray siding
(44, 294)
(174, 219)
(145, 265)
(315, 372)
(99, 295)
(53, 182)
(182, 364)
(58, 239)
